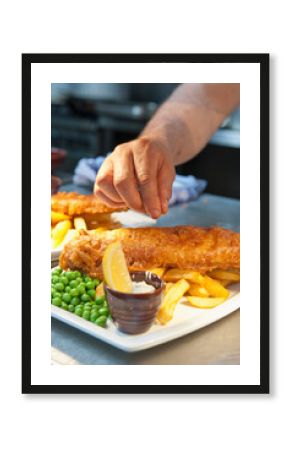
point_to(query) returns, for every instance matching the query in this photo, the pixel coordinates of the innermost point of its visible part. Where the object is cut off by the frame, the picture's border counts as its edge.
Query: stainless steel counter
(218, 343)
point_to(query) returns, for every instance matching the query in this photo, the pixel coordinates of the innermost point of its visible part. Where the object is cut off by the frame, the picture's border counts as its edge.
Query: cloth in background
(184, 189)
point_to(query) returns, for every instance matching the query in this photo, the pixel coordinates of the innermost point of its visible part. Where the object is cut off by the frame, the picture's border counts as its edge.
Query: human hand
(138, 174)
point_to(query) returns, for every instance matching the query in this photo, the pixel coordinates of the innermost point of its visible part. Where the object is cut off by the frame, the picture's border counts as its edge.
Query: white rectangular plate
(127, 219)
(186, 320)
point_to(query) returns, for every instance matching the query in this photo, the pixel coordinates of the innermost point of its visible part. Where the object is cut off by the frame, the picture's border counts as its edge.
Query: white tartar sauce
(141, 287)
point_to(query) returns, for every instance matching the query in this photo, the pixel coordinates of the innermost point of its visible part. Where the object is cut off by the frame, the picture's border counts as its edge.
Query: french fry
(167, 287)
(100, 290)
(177, 274)
(159, 271)
(225, 283)
(57, 217)
(80, 223)
(225, 275)
(71, 234)
(214, 288)
(174, 294)
(100, 229)
(198, 291)
(205, 302)
(58, 232)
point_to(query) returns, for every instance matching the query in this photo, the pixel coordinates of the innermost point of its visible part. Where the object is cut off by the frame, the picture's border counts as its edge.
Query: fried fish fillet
(182, 247)
(74, 204)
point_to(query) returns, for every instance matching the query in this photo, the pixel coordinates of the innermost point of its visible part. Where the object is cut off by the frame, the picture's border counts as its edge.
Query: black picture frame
(263, 61)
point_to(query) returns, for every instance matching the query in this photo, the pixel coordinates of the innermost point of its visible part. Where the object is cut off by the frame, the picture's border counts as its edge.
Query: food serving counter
(218, 343)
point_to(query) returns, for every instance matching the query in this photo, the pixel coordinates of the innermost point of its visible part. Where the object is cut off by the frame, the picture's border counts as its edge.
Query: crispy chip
(174, 294)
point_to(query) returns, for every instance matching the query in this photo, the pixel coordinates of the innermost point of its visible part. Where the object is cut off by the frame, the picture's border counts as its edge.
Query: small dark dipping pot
(134, 313)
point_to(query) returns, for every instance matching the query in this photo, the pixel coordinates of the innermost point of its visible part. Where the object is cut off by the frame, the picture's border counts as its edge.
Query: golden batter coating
(183, 247)
(74, 204)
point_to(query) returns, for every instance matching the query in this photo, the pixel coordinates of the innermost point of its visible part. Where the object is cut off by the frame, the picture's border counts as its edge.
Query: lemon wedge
(115, 268)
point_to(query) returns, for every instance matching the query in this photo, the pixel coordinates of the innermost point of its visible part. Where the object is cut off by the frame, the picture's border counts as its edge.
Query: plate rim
(179, 330)
(134, 343)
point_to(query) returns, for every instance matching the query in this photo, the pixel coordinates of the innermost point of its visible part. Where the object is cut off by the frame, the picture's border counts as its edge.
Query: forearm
(188, 119)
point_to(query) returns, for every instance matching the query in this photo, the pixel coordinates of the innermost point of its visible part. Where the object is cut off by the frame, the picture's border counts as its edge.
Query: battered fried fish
(183, 247)
(74, 204)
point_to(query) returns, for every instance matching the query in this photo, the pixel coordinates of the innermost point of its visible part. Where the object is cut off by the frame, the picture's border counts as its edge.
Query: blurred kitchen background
(89, 120)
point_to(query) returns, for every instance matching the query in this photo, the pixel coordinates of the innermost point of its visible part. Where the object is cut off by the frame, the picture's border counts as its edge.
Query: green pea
(67, 289)
(79, 307)
(82, 288)
(56, 294)
(96, 282)
(74, 292)
(71, 308)
(66, 298)
(54, 279)
(71, 275)
(79, 280)
(92, 293)
(101, 321)
(59, 287)
(75, 301)
(85, 298)
(99, 300)
(64, 306)
(73, 284)
(103, 311)
(64, 280)
(90, 285)
(57, 271)
(53, 291)
(86, 315)
(56, 301)
(77, 274)
(79, 311)
(87, 279)
(94, 315)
